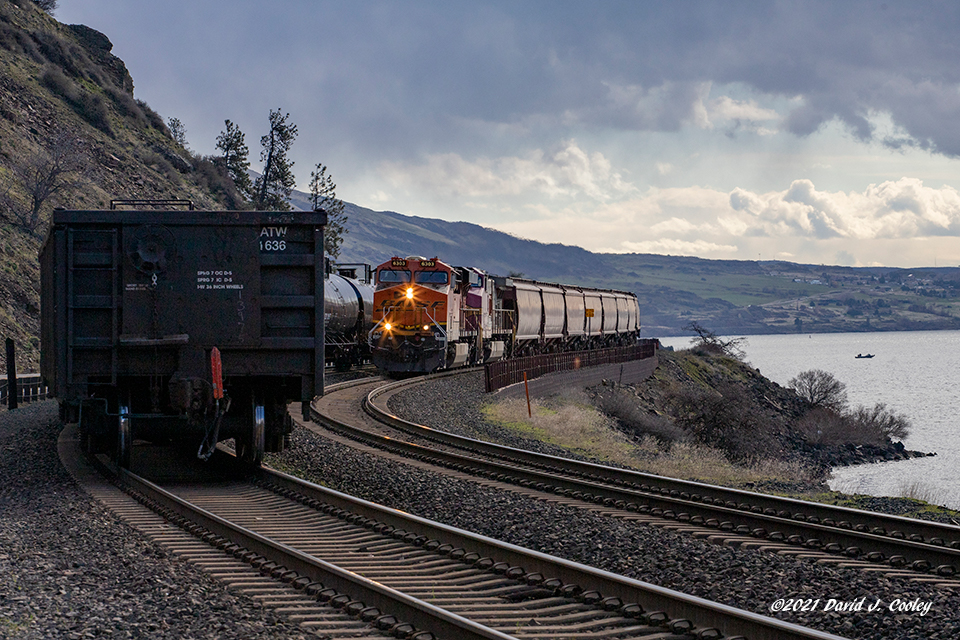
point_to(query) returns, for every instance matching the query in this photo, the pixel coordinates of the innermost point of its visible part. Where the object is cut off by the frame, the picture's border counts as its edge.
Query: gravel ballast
(746, 579)
(70, 569)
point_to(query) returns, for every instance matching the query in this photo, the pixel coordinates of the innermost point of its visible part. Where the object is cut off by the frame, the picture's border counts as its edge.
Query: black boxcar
(183, 326)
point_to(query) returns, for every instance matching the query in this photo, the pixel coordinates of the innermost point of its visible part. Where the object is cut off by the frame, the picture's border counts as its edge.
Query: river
(915, 373)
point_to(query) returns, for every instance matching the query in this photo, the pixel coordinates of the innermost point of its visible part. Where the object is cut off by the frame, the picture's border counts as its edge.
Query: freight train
(429, 315)
(183, 326)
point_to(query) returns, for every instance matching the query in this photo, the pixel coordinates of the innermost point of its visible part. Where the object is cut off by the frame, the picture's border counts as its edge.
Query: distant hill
(727, 296)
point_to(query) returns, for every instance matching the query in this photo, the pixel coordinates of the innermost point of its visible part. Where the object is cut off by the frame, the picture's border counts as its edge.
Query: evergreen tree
(235, 151)
(271, 191)
(177, 131)
(323, 196)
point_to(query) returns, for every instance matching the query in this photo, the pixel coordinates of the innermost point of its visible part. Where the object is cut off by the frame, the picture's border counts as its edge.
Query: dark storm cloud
(642, 66)
(403, 77)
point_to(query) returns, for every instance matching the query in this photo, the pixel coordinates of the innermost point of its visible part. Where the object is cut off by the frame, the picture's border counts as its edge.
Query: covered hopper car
(429, 315)
(183, 326)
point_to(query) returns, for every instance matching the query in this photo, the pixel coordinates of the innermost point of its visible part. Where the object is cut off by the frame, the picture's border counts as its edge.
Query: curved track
(919, 549)
(411, 578)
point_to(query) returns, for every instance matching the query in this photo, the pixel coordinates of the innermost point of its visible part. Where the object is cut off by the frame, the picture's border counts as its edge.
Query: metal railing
(506, 372)
(30, 388)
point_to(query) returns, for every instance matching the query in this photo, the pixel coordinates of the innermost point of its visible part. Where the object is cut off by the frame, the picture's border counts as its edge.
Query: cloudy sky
(820, 132)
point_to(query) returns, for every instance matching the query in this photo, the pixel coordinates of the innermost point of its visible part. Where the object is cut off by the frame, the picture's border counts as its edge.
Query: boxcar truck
(182, 326)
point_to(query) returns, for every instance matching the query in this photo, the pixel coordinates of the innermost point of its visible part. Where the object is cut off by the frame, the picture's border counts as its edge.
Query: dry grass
(581, 429)
(571, 425)
(918, 490)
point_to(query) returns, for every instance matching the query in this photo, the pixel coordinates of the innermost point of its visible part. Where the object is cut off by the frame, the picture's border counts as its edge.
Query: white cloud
(727, 108)
(880, 224)
(664, 107)
(663, 168)
(567, 171)
(679, 247)
(894, 209)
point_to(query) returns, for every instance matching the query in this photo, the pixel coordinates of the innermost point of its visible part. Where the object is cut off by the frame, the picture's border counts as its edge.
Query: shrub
(824, 426)
(93, 109)
(727, 417)
(161, 164)
(88, 106)
(58, 83)
(153, 118)
(213, 176)
(126, 105)
(820, 389)
(880, 423)
(17, 41)
(708, 343)
(862, 426)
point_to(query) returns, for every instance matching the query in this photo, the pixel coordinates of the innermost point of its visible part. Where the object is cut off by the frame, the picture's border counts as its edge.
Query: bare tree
(885, 423)
(820, 388)
(53, 171)
(323, 195)
(710, 341)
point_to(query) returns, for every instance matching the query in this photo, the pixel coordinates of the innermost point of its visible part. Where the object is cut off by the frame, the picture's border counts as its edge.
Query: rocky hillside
(705, 396)
(64, 95)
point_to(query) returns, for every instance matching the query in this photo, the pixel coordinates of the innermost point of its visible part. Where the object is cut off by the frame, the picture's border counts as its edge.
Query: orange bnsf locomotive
(429, 315)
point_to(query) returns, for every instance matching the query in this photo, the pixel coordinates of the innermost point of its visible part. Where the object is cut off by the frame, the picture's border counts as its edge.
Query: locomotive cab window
(431, 277)
(392, 276)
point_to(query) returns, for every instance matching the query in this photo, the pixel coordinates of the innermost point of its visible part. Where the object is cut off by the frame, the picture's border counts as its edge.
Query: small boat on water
(861, 356)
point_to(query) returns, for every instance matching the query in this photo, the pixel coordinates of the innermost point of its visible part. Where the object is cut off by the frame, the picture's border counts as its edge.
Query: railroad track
(918, 550)
(350, 568)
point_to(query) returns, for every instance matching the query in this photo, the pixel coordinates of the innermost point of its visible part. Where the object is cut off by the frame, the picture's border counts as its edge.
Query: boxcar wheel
(252, 442)
(124, 437)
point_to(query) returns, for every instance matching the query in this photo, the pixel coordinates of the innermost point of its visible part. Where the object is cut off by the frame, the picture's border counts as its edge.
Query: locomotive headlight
(409, 293)
(387, 327)
(426, 327)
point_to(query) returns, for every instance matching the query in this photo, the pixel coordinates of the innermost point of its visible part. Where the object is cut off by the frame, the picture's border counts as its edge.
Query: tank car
(429, 315)
(183, 327)
(348, 313)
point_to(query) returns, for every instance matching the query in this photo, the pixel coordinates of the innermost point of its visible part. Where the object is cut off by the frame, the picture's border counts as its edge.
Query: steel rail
(936, 533)
(539, 568)
(373, 594)
(716, 508)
